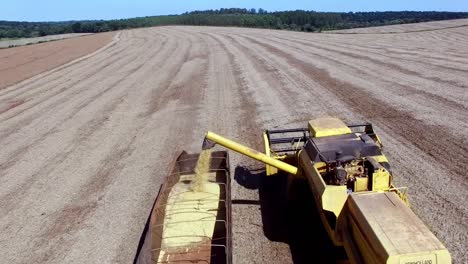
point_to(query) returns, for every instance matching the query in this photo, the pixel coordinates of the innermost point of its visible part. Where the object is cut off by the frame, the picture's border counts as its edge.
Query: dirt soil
(85, 146)
(402, 28)
(19, 63)
(28, 41)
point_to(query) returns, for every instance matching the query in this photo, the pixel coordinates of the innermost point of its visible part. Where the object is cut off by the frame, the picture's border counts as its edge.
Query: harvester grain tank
(352, 185)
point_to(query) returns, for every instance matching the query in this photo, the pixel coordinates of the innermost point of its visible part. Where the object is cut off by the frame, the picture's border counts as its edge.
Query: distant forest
(299, 20)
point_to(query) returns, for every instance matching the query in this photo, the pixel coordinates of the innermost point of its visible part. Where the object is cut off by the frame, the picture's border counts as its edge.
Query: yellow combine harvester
(351, 181)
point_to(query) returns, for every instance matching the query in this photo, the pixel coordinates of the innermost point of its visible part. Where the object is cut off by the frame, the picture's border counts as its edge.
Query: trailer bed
(190, 227)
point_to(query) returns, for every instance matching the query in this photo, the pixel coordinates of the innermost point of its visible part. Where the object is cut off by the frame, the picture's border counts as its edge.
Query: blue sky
(59, 10)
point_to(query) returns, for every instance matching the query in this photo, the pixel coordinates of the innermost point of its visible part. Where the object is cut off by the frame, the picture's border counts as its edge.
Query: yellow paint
(270, 170)
(383, 230)
(328, 126)
(251, 153)
(380, 158)
(380, 180)
(360, 184)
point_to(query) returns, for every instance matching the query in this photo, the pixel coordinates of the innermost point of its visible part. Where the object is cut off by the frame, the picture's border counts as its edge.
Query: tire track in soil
(429, 102)
(234, 72)
(291, 238)
(164, 112)
(38, 83)
(389, 53)
(275, 79)
(266, 231)
(66, 117)
(438, 143)
(73, 209)
(252, 54)
(40, 48)
(186, 91)
(194, 62)
(66, 69)
(77, 69)
(462, 212)
(126, 60)
(8, 199)
(266, 86)
(392, 66)
(16, 157)
(408, 89)
(418, 58)
(244, 225)
(296, 90)
(457, 212)
(71, 218)
(88, 130)
(159, 98)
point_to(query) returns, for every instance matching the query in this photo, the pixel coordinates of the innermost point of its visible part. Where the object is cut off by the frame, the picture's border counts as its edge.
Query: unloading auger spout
(211, 139)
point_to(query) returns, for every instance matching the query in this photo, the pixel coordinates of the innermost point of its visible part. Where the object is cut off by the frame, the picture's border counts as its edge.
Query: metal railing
(195, 252)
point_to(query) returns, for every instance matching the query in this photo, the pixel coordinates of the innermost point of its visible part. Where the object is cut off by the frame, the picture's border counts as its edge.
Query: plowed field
(84, 147)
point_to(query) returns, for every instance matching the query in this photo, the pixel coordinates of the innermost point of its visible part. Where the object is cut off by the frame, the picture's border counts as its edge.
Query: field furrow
(85, 145)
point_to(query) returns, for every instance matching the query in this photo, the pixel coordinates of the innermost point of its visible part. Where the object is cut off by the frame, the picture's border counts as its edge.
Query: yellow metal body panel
(384, 230)
(381, 181)
(329, 198)
(361, 184)
(380, 158)
(323, 127)
(270, 170)
(251, 153)
(401, 192)
(321, 166)
(333, 198)
(378, 140)
(381, 178)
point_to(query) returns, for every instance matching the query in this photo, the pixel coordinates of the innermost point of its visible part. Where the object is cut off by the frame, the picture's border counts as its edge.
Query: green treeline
(298, 20)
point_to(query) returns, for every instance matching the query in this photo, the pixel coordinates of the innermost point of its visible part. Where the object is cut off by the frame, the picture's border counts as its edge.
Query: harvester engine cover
(354, 159)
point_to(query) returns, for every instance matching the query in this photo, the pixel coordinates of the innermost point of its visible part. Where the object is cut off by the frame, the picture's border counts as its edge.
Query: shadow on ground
(292, 220)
